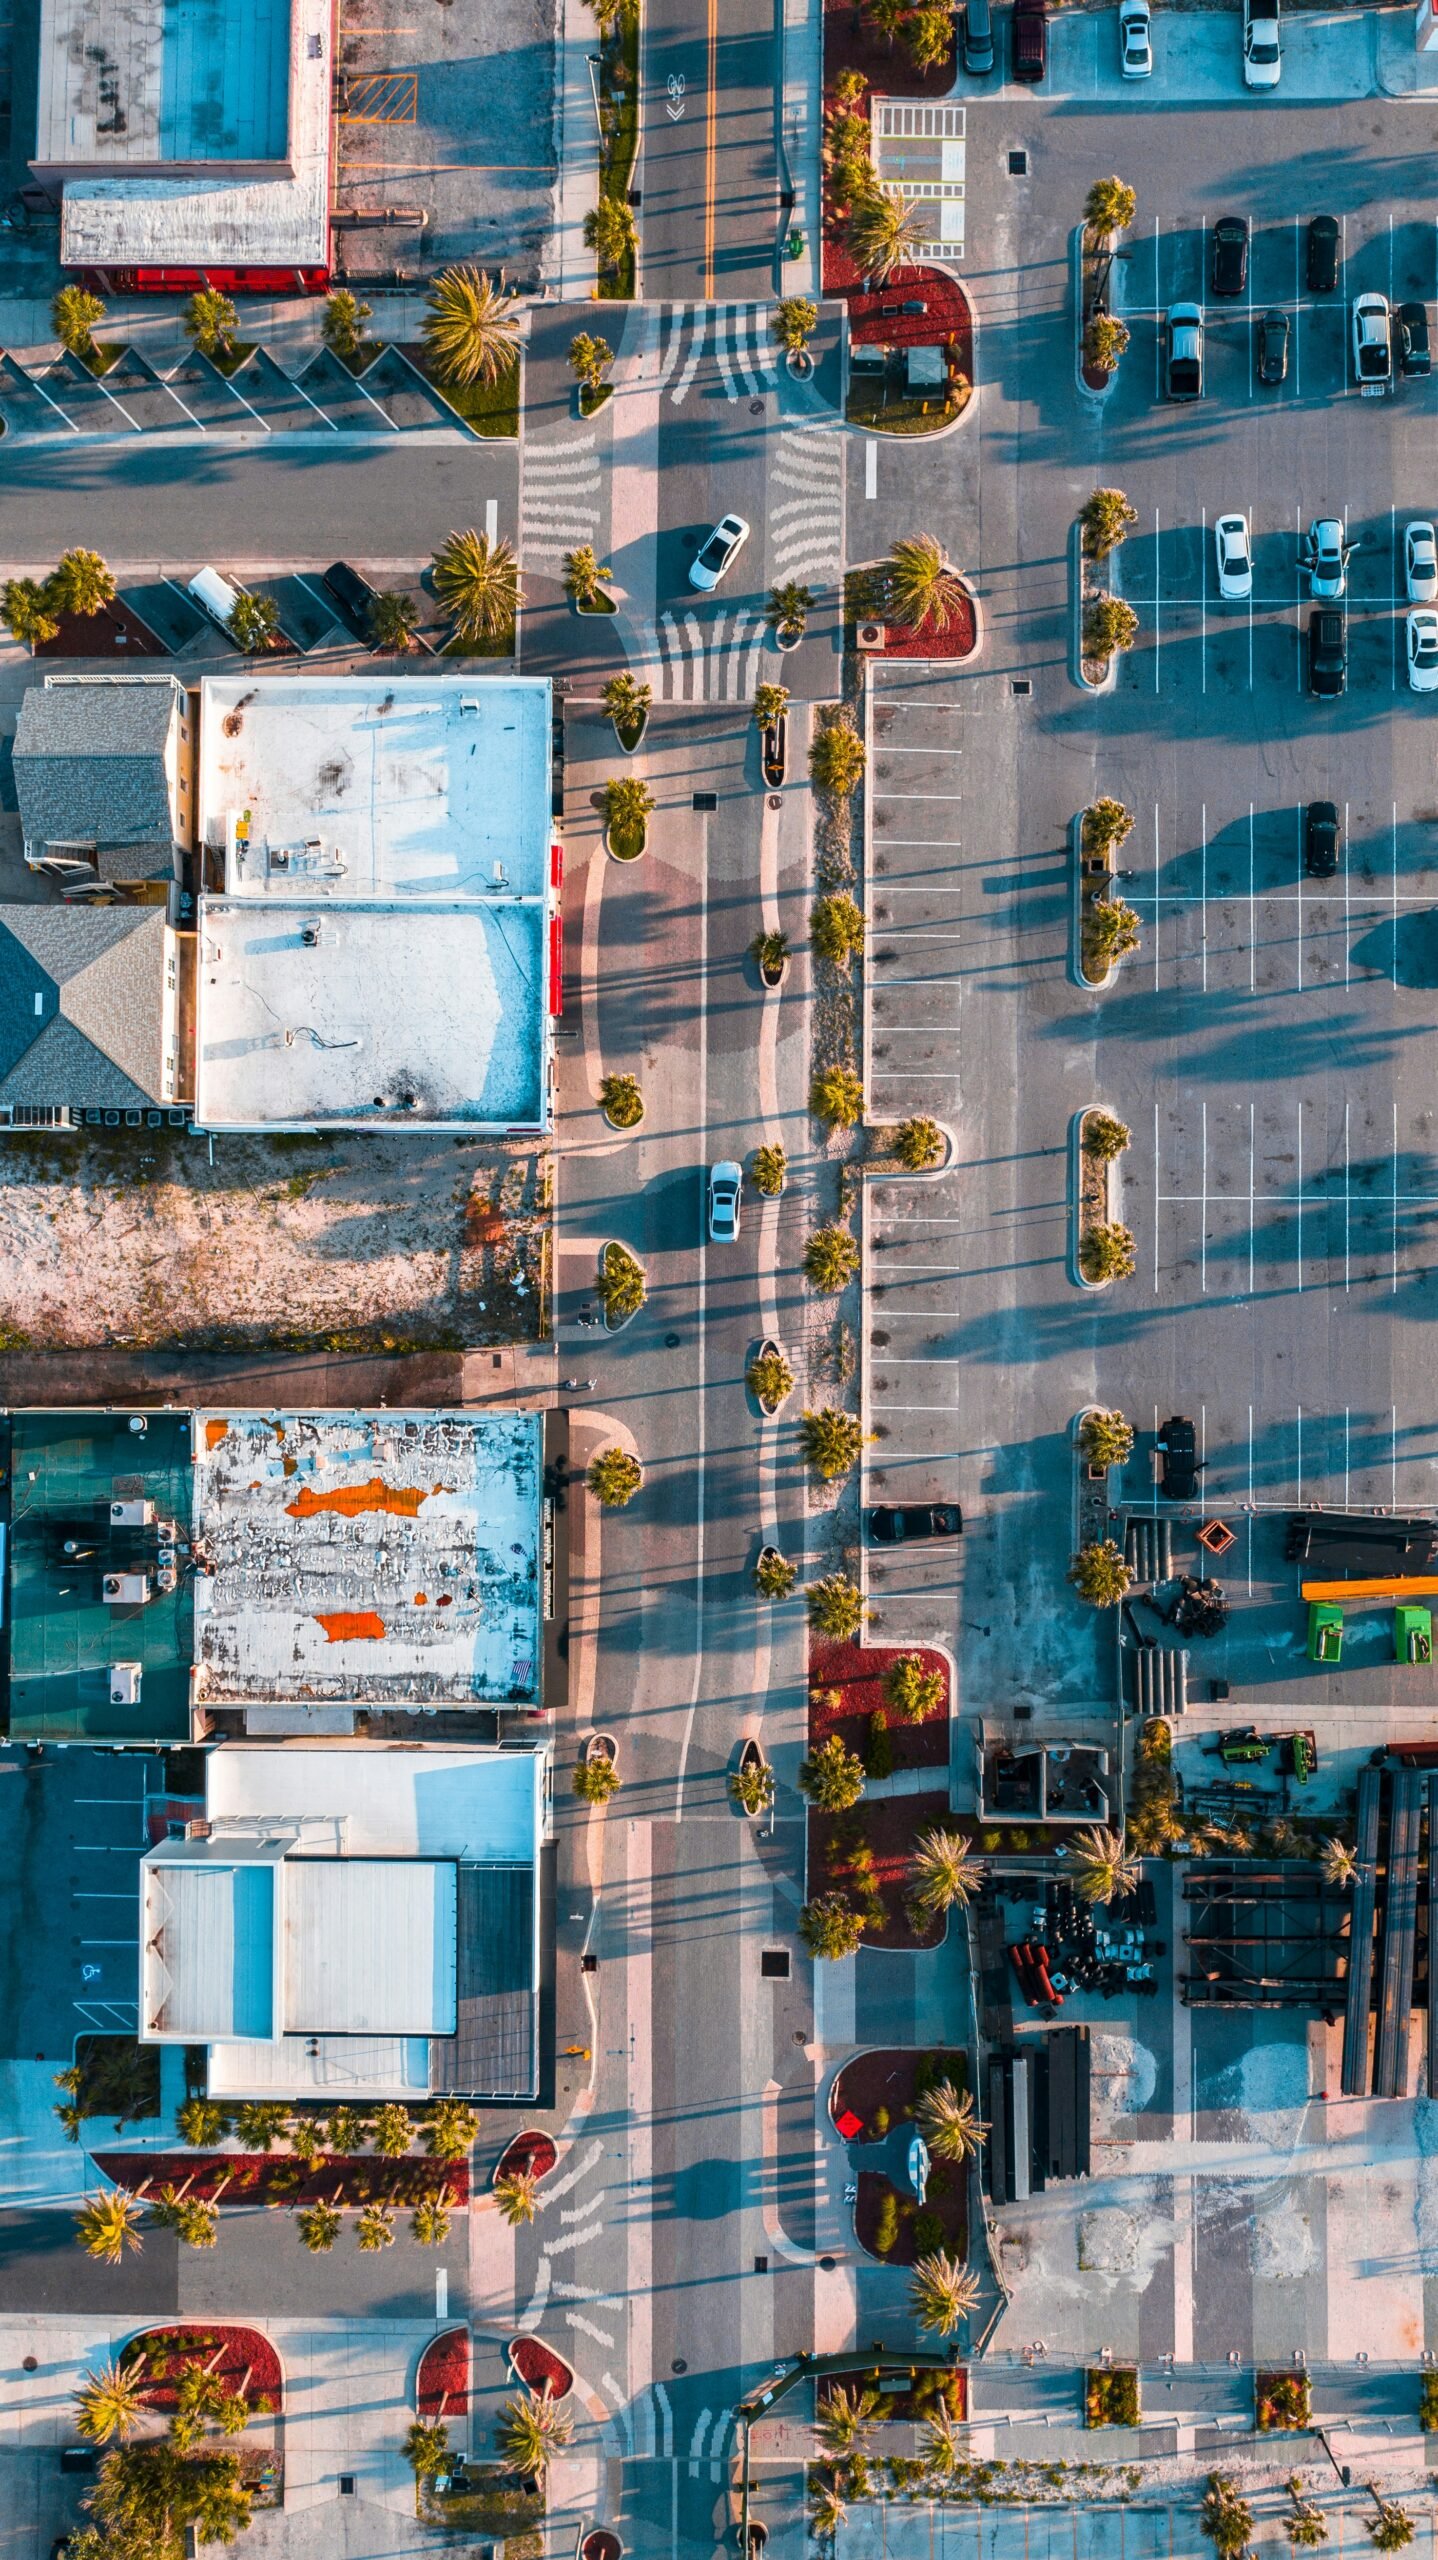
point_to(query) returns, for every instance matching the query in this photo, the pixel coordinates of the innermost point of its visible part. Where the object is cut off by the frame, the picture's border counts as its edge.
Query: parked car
(1135, 36)
(214, 595)
(1184, 367)
(353, 594)
(1273, 348)
(1234, 557)
(1327, 652)
(1229, 269)
(1262, 47)
(1322, 839)
(1372, 341)
(1031, 40)
(718, 553)
(978, 39)
(1178, 1448)
(1326, 559)
(1420, 562)
(1414, 352)
(726, 1181)
(1323, 242)
(1423, 649)
(894, 1524)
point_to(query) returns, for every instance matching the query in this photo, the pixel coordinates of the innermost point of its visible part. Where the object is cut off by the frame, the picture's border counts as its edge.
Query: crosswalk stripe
(696, 350)
(677, 314)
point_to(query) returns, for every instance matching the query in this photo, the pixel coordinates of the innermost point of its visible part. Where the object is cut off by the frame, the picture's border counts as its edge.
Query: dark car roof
(1324, 226)
(1231, 226)
(1322, 813)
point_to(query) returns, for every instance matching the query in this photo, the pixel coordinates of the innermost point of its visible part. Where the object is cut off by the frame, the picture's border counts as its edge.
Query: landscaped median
(1105, 928)
(1101, 1247)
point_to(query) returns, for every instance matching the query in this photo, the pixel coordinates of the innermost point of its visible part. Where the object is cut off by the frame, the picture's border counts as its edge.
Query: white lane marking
(534, 2309)
(580, 2212)
(871, 466)
(588, 2328)
(574, 2239)
(666, 2444)
(491, 519)
(593, 2152)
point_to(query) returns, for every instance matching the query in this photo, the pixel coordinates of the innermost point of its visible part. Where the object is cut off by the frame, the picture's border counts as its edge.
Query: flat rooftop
(368, 1557)
(66, 1640)
(380, 1018)
(352, 788)
(133, 82)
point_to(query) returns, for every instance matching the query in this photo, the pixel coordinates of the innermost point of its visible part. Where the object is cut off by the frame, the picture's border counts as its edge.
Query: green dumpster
(1325, 1631)
(1412, 1635)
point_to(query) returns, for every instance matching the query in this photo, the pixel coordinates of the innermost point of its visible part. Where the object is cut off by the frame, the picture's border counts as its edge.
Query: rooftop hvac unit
(124, 1684)
(871, 635)
(125, 1590)
(311, 935)
(132, 1515)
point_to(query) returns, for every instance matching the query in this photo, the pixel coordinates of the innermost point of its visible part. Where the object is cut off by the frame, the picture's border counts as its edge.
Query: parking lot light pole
(595, 61)
(1344, 2474)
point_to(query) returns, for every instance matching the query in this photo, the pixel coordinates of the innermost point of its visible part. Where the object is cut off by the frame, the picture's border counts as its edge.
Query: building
(187, 141)
(96, 1014)
(104, 777)
(358, 1922)
(383, 952)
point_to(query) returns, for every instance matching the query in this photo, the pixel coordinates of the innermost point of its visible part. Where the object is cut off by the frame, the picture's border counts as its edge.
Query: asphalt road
(709, 169)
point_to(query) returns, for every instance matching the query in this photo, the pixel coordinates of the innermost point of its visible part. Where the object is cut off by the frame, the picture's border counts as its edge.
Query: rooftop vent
(125, 1590)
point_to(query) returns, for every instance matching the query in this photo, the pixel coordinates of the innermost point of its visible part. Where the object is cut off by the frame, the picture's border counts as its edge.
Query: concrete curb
(1090, 986)
(1086, 390)
(1109, 678)
(1094, 1287)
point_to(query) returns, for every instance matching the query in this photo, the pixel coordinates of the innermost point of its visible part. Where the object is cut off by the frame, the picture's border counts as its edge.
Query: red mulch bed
(247, 2177)
(948, 315)
(851, 44)
(886, 1826)
(888, 2077)
(540, 2369)
(600, 2546)
(528, 2155)
(947, 2197)
(113, 632)
(857, 1672)
(232, 2354)
(441, 2385)
(959, 641)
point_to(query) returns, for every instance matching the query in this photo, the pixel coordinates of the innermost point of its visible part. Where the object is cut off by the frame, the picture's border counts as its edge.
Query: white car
(1420, 563)
(718, 553)
(1262, 45)
(1326, 560)
(1423, 649)
(1135, 40)
(725, 1183)
(1372, 340)
(1235, 559)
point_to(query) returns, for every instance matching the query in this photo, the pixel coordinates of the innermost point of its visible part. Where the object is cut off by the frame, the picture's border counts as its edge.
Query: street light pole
(596, 60)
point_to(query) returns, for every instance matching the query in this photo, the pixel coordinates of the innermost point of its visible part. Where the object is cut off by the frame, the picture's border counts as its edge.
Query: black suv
(894, 1522)
(1273, 347)
(1322, 839)
(1178, 1448)
(1323, 238)
(1414, 354)
(1230, 253)
(353, 594)
(1327, 652)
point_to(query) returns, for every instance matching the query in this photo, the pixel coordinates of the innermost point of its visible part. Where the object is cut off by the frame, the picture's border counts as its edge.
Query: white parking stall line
(1347, 1204)
(1300, 1198)
(918, 844)
(1252, 911)
(883, 748)
(1393, 1160)
(1393, 841)
(1251, 1145)
(871, 466)
(1203, 912)
(1347, 927)
(1155, 1194)
(1298, 820)
(1203, 1232)
(1203, 607)
(1157, 602)
(949, 799)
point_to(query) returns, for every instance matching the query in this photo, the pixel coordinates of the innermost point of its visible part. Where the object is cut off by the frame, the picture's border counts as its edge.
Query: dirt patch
(352, 1244)
(114, 632)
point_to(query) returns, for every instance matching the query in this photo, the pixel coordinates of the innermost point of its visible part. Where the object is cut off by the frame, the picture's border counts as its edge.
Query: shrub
(1111, 2397)
(768, 1170)
(1110, 932)
(1106, 825)
(836, 1097)
(836, 760)
(1104, 1136)
(1110, 205)
(775, 1577)
(911, 1690)
(831, 1258)
(621, 1101)
(832, 1777)
(615, 1477)
(928, 2232)
(918, 1144)
(1108, 625)
(1106, 1439)
(879, 1751)
(254, 623)
(879, 2123)
(1428, 2404)
(1105, 341)
(1106, 1252)
(1107, 518)
(830, 1927)
(770, 1378)
(751, 1787)
(595, 1781)
(831, 1441)
(771, 701)
(836, 1607)
(621, 1283)
(836, 927)
(628, 806)
(1100, 1574)
(886, 2227)
(770, 951)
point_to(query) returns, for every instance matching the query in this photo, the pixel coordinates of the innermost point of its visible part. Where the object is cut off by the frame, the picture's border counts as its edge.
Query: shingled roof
(82, 1006)
(90, 769)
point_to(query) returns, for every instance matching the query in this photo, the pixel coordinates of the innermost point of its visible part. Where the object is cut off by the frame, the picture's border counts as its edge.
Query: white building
(384, 952)
(356, 1922)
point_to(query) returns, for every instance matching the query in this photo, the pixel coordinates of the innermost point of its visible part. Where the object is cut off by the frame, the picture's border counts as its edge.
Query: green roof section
(67, 1470)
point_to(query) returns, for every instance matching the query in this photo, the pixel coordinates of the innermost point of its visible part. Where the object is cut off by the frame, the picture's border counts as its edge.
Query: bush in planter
(1105, 341)
(770, 1377)
(1110, 205)
(1109, 625)
(836, 927)
(210, 321)
(611, 232)
(775, 1577)
(831, 1929)
(79, 583)
(771, 701)
(1305, 2523)
(885, 232)
(831, 1258)
(1111, 2397)
(831, 1441)
(75, 315)
(621, 1283)
(627, 703)
(589, 361)
(918, 1144)
(790, 605)
(1100, 1574)
(886, 2227)
(1106, 825)
(254, 623)
(1111, 931)
(836, 1097)
(751, 1787)
(794, 322)
(1283, 2401)
(595, 1781)
(28, 612)
(912, 1691)
(584, 577)
(836, 759)
(770, 951)
(1104, 1136)
(836, 1607)
(928, 2230)
(1107, 1252)
(621, 1101)
(1107, 519)
(768, 1170)
(343, 326)
(832, 1777)
(1105, 1439)
(628, 807)
(614, 1478)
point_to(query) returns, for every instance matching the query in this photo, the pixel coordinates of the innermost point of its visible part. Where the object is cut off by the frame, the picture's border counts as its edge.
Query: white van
(214, 595)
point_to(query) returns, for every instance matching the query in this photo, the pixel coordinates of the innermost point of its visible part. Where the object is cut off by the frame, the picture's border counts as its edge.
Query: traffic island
(1099, 337)
(620, 1285)
(530, 2155)
(1105, 928)
(242, 2361)
(1101, 1248)
(1111, 2396)
(484, 2499)
(540, 2369)
(441, 2384)
(872, 2105)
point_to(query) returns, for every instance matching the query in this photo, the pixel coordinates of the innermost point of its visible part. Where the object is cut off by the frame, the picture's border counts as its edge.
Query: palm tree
(517, 2192)
(942, 2293)
(789, 607)
(610, 231)
(107, 2225)
(254, 622)
(470, 331)
(392, 622)
(830, 1927)
(885, 233)
(751, 1787)
(80, 582)
(949, 2122)
(589, 361)
(828, 2511)
(771, 701)
(374, 2227)
(945, 1871)
(943, 2445)
(1392, 2527)
(929, 36)
(794, 321)
(614, 1478)
(75, 315)
(1339, 1864)
(429, 2222)
(393, 2132)
(594, 1782)
(886, 17)
(210, 320)
(111, 2402)
(627, 703)
(1224, 2516)
(1305, 2524)
(836, 1607)
(919, 586)
(450, 2129)
(1101, 1573)
(1110, 205)
(425, 2447)
(584, 575)
(343, 325)
(831, 1441)
(222, 2499)
(319, 2226)
(1103, 1867)
(477, 583)
(843, 2418)
(530, 2432)
(28, 612)
(201, 2124)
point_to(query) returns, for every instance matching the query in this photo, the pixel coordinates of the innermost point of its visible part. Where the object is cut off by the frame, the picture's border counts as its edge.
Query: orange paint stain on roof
(214, 1433)
(351, 1500)
(346, 1626)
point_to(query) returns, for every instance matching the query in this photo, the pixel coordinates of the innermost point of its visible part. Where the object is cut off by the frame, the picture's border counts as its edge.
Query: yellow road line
(709, 139)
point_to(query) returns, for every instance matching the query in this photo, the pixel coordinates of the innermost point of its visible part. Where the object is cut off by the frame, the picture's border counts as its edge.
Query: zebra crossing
(806, 511)
(678, 335)
(709, 661)
(642, 2430)
(559, 503)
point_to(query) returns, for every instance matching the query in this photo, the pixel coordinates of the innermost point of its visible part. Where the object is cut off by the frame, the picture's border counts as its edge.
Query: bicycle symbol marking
(675, 86)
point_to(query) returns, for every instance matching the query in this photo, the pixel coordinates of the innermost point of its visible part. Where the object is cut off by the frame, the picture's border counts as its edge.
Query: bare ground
(155, 1238)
